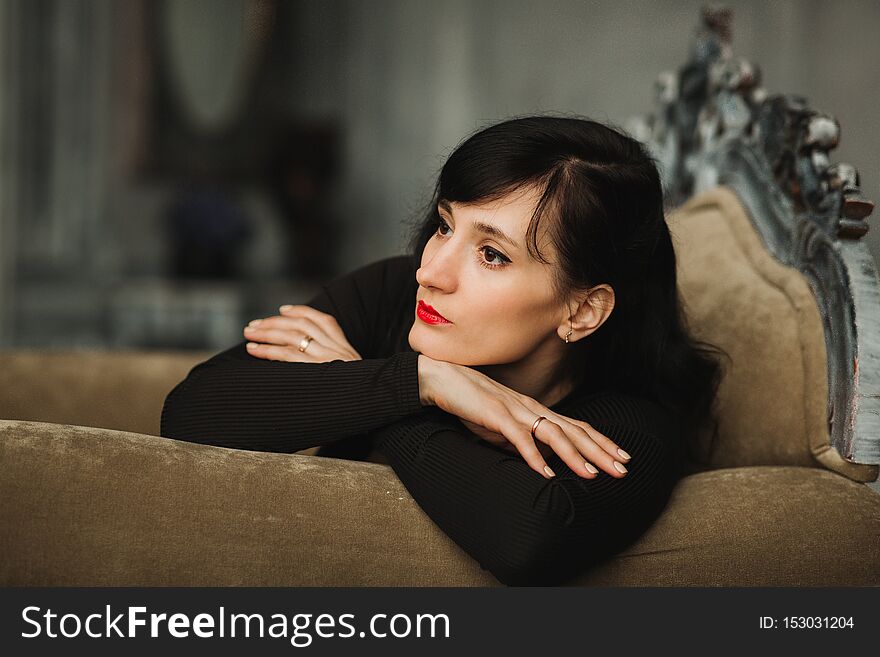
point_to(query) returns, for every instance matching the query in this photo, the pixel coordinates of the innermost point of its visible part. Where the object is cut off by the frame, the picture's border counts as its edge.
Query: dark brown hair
(601, 194)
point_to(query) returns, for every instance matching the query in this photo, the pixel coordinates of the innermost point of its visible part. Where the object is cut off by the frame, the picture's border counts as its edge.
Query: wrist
(428, 375)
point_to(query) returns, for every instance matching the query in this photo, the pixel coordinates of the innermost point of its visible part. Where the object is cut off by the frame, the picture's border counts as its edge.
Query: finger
(287, 330)
(582, 428)
(279, 353)
(600, 452)
(327, 331)
(270, 336)
(284, 338)
(521, 438)
(315, 352)
(554, 435)
(500, 441)
(602, 440)
(545, 449)
(591, 452)
(328, 322)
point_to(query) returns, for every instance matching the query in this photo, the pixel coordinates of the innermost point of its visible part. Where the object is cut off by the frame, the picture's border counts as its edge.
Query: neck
(535, 377)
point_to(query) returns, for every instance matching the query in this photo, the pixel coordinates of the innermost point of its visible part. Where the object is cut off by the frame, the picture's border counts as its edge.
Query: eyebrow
(479, 226)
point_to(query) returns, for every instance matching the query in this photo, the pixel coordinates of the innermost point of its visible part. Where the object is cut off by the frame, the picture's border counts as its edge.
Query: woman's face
(498, 300)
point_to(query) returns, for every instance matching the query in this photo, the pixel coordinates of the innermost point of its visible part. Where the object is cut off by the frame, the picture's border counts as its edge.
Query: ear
(592, 309)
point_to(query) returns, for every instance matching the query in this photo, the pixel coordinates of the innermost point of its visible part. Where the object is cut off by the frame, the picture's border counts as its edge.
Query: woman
(525, 371)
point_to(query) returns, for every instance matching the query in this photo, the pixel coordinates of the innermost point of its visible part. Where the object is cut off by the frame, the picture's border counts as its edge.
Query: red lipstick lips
(430, 316)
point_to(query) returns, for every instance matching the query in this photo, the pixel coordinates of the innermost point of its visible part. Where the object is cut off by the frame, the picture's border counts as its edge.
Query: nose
(439, 269)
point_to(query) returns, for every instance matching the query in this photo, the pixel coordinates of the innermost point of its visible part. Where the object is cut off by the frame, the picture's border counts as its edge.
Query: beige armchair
(97, 499)
(784, 494)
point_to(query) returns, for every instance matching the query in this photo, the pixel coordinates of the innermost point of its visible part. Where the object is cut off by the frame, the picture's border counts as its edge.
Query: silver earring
(566, 336)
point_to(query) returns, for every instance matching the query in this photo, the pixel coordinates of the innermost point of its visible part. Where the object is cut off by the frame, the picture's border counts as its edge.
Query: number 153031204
(806, 622)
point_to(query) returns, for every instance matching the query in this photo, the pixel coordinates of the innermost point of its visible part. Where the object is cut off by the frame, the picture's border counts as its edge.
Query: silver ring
(535, 425)
(304, 343)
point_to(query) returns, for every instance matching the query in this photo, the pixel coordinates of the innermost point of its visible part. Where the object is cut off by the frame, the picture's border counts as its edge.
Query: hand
(501, 442)
(278, 337)
(504, 417)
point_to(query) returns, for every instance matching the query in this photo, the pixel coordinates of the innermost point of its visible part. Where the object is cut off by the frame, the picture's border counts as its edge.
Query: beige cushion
(773, 400)
(86, 506)
(755, 526)
(96, 507)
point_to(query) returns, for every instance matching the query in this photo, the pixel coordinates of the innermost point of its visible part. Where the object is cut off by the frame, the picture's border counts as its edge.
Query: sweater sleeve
(525, 529)
(237, 400)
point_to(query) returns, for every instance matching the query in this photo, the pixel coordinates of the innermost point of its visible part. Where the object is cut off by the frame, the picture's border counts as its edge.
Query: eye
(492, 253)
(440, 225)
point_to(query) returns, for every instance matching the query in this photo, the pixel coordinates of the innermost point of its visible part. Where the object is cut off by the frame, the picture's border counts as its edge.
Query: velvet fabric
(86, 507)
(773, 400)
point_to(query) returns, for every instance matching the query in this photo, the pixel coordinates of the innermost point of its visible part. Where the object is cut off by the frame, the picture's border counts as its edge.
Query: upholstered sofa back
(773, 400)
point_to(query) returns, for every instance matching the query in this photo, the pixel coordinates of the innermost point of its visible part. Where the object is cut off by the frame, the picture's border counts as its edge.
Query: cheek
(495, 326)
(523, 295)
(507, 315)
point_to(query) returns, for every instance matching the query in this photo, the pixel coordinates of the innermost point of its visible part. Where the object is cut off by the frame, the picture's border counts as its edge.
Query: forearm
(523, 528)
(490, 502)
(235, 400)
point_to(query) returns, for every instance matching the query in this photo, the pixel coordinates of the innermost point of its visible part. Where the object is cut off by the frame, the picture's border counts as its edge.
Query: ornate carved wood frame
(714, 124)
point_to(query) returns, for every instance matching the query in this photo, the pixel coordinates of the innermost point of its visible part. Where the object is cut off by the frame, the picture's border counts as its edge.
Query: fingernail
(286, 306)
(254, 322)
(623, 454)
(619, 467)
(591, 468)
(251, 345)
(549, 472)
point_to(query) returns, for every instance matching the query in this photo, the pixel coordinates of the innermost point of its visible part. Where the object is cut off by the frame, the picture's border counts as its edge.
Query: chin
(423, 345)
(420, 344)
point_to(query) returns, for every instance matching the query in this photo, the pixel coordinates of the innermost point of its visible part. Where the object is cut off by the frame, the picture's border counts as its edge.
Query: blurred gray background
(171, 169)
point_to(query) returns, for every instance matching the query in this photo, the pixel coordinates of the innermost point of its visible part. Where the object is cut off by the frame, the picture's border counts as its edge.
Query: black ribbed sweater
(523, 528)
